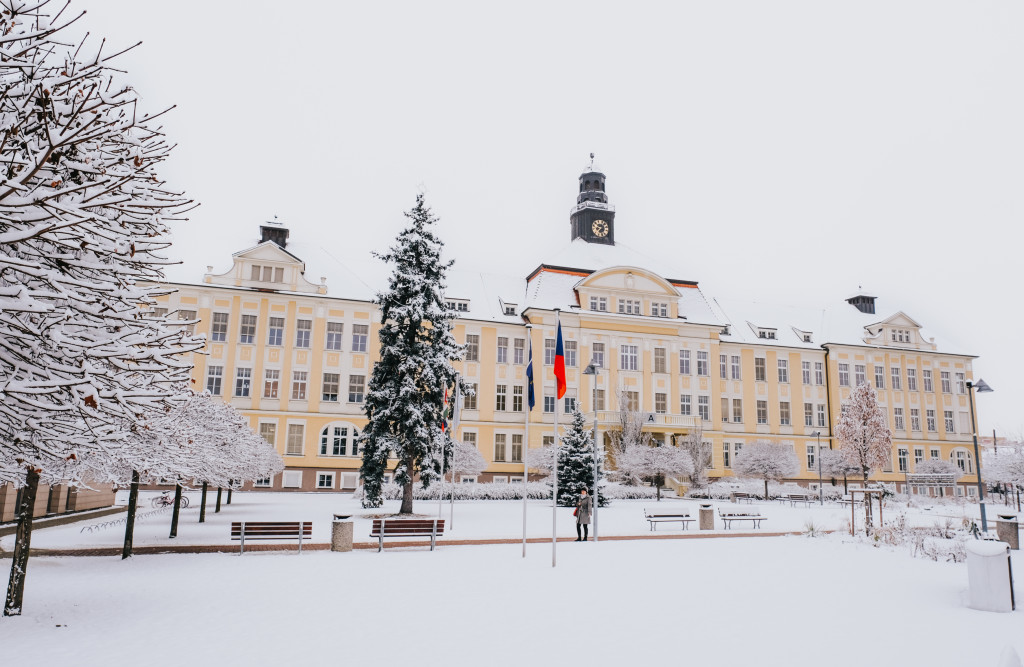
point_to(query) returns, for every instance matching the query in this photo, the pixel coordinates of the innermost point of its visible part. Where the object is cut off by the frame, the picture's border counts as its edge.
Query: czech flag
(529, 379)
(559, 365)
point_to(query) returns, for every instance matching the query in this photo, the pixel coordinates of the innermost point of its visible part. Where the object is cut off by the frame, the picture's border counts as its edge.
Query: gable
(628, 279)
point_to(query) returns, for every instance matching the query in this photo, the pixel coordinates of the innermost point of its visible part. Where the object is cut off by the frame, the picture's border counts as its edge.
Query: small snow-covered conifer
(576, 463)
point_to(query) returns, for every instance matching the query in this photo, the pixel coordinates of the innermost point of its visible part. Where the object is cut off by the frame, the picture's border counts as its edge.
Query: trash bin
(707, 516)
(341, 533)
(989, 577)
(1007, 530)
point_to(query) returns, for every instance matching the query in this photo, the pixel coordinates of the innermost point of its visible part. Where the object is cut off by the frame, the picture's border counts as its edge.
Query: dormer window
(599, 303)
(804, 336)
(266, 274)
(630, 307)
(510, 309)
(900, 335)
(460, 305)
(768, 334)
(659, 309)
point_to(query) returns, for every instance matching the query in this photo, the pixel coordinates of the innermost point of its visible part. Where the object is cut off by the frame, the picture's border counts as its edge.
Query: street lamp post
(592, 369)
(821, 487)
(980, 387)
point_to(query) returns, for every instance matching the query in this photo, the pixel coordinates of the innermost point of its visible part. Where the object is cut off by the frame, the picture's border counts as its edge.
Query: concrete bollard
(1007, 530)
(707, 516)
(341, 535)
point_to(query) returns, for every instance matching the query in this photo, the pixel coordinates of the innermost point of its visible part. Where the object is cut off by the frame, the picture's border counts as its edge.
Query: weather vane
(591, 168)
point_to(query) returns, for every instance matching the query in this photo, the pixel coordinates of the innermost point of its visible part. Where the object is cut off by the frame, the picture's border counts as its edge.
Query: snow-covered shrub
(508, 491)
(724, 488)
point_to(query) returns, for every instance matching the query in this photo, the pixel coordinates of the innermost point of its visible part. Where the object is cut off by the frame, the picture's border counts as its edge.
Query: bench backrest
(736, 513)
(271, 529)
(656, 514)
(407, 526)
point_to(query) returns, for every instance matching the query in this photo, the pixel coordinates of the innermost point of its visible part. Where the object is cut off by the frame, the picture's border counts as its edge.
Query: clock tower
(593, 218)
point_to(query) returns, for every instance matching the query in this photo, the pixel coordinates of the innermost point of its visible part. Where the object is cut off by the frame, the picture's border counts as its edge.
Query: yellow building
(295, 355)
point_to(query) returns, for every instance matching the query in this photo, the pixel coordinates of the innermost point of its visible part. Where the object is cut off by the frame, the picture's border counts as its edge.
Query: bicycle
(165, 499)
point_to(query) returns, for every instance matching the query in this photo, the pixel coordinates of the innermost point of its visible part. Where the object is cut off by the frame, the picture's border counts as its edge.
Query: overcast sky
(784, 151)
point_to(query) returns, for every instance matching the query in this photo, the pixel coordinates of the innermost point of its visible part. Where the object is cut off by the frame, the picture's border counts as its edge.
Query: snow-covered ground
(472, 519)
(785, 601)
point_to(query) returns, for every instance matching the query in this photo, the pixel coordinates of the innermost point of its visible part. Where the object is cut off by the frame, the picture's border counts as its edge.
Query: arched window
(339, 439)
(962, 459)
(588, 185)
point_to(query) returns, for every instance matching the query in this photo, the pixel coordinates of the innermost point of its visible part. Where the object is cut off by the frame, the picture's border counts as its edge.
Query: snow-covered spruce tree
(83, 218)
(576, 464)
(863, 431)
(770, 461)
(406, 394)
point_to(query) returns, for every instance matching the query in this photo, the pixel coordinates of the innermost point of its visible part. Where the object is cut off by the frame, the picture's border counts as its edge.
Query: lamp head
(980, 386)
(591, 369)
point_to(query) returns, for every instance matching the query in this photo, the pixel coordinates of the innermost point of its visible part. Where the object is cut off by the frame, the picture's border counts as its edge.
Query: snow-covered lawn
(750, 601)
(472, 519)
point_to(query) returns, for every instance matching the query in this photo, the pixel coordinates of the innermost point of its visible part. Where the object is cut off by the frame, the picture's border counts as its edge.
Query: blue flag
(529, 378)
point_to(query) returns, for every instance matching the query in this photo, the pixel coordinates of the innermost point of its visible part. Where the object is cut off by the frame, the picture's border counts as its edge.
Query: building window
(472, 347)
(784, 413)
(704, 408)
(599, 303)
(723, 366)
(499, 447)
(570, 353)
(726, 462)
(263, 482)
(703, 363)
(360, 337)
(926, 375)
(469, 402)
(915, 419)
(684, 362)
(339, 441)
(897, 414)
(808, 414)
(783, 371)
(946, 387)
(628, 358)
(243, 382)
(811, 459)
(597, 351)
(631, 401)
(897, 380)
(549, 403)
(819, 372)
(950, 427)
(299, 385)
(332, 384)
(550, 346)
(519, 351)
(219, 328)
(879, 377)
(725, 409)
(961, 385)
(569, 404)
(247, 331)
(500, 397)
(517, 448)
(760, 369)
(268, 431)
(805, 372)
(275, 333)
(214, 377)
(821, 415)
(517, 398)
(929, 416)
(737, 410)
(356, 388)
(963, 461)
(660, 403)
(659, 309)
(271, 382)
(735, 367)
(599, 399)
(912, 379)
(630, 307)
(303, 329)
(844, 375)
(293, 444)
(935, 454)
(762, 412)
(325, 480)
(859, 376)
(188, 316)
(684, 405)
(335, 332)
(918, 455)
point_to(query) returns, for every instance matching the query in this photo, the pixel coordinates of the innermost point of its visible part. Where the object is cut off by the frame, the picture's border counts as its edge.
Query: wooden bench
(739, 495)
(407, 528)
(271, 530)
(794, 498)
(656, 517)
(728, 516)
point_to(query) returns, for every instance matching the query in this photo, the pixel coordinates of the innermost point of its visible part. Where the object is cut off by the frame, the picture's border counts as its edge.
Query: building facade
(294, 355)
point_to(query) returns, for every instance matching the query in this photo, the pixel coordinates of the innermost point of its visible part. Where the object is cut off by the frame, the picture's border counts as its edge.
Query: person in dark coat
(584, 506)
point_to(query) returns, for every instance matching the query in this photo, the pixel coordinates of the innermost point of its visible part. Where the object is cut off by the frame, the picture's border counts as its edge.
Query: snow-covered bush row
(509, 491)
(723, 489)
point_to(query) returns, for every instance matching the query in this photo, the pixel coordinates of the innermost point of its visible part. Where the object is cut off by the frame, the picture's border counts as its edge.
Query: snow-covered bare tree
(629, 434)
(405, 400)
(657, 462)
(863, 431)
(937, 467)
(83, 219)
(769, 461)
(835, 465)
(465, 459)
(699, 451)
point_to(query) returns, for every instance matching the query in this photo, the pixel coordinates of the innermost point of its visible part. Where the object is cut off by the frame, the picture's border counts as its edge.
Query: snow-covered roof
(585, 256)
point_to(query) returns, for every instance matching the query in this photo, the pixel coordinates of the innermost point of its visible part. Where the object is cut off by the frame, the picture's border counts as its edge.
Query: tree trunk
(202, 505)
(867, 507)
(230, 489)
(766, 489)
(217, 509)
(19, 563)
(407, 492)
(846, 491)
(129, 526)
(177, 510)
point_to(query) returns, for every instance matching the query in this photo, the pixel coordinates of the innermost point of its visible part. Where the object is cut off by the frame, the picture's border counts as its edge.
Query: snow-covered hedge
(508, 491)
(722, 489)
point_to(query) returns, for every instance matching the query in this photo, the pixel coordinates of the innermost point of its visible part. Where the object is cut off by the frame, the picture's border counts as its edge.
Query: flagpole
(554, 468)
(526, 438)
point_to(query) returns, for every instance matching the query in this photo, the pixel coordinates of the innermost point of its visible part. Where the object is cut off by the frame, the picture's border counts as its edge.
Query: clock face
(600, 228)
